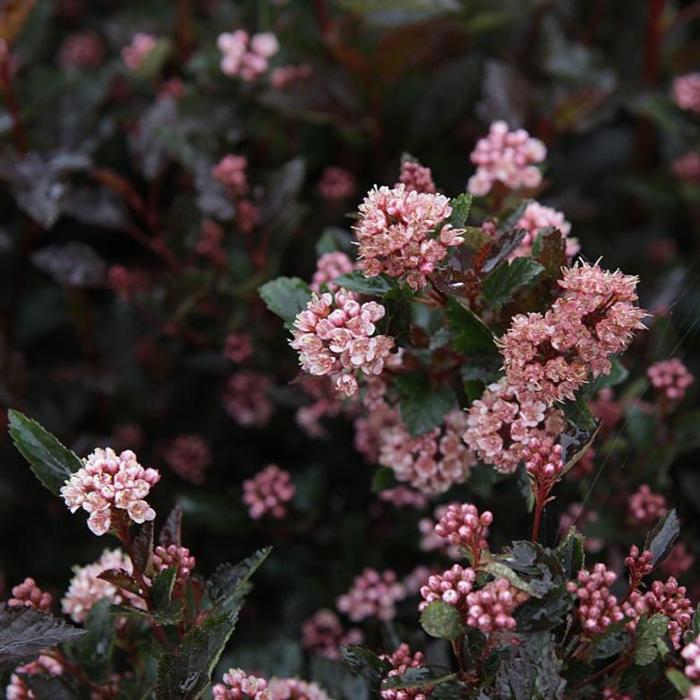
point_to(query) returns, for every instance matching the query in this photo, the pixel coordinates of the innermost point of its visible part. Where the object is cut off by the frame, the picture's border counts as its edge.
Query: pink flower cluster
(335, 336)
(500, 424)
(691, 655)
(174, 556)
(430, 540)
(403, 496)
(246, 56)
(232, 172)
(373, 594)
(268, 493)
(323, 634)
(246, 398)
(543, 461)
(509, 157)
(638, 564)
(401, 660)
(238, 347)
(431, 462)
(451, 586)
(237, 685)
(491, 608)
(416, 177)
(548, 357)
(606, 409)
(135, 53)
(395, 233)
(687, 167)
(85, 588)
(111, 487)
(189, 457)
(537, 217)
(598, 608)
(671, 378)
(82, 50)
(326, 402)
(667, 598)
(328, 267)
(336, 184)
(28, 595)
(645, 506)
(44, 665)
(686, 92)
(463, 526)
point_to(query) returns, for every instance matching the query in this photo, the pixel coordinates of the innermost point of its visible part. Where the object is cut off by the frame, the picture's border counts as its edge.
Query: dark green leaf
(383, 479)
(121, 579)
(502, 247)
(371, 286)
(538, 565)
(661, 540)
(679, 681)
(549, 249)
(25, 632)
(501, 570)
(51, 687)
(418, 679)
(286, 297)
(229, 581)
(423, 407)
(142, 546)
(618, 374)
(94, 650)
(441, 620)
(333, 239)
(460, 210)
(162, 589)
(51, 462)
(365, 663)
(570, 553)
(650, 630)
(500, 286)
(475, 238)
(471, 335)
(171, 532)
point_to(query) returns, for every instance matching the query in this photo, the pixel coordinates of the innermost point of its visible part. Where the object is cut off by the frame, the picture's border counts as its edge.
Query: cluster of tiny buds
(645, 506)
(490, 609)
(174, 556)
(671, 378)
(135, 53)
(401, 660)
(323, 633)
(463, 526)
(373, 594)
(336, 184)
(268, 492)
(232, 172)
(416, 177)
(246, 56)
(598, 608)
(543, 460)
(451, 586)
(237, 684)
(639, 564)
(28, 595)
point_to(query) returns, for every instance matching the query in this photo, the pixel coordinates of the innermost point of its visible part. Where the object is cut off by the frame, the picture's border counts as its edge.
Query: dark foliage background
(94, 148)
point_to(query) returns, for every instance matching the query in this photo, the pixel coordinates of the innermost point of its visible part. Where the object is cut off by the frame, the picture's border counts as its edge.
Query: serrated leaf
(142, 547)
(423, 407)
(229, 581)
(471, 335)
(185, 673)
(549, 248)
(500, 286)
(365, 663)
(286, 297)
(441, 620)
(460, 210)
(571, 554)
(162, 589)
(51, 462)
(661, 540)
(649, 631)
(372, 286)
(25, 632)
(171, 532)
(121, 579)
(501, 570)
(421, 678)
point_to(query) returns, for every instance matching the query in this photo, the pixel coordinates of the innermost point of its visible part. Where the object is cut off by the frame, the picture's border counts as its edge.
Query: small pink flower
(646, 507)
(691, 656)
(268, 493)
(246, 56)
(402, 660)
(671, 378)
(238, 347)
(323, 634)
(232, 172)
(396, 234)
(416, 177)
(134, 54)
(373, 594)
(686, 92)
(28, 595)
(246, 398)
(509, 157)
(402, 496)
(336, 184)
(237, 685)
(491, 608)
(189, 457)
(110, 486)
(44, 665)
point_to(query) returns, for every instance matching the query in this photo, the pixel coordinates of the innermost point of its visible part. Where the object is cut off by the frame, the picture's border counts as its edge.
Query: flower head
(598, 608)
(237, 685)
(189, 456)
(373, 594)
(268, 493)
(328, 267)
(670, 378)
(324, 634)
(246, 56)
(402, 660)
(491, 608)
(416, 177)
(111, 486)
(686, 92)
(28, 595)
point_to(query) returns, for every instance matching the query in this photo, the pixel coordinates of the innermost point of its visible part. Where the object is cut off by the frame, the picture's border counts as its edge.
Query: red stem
(653, 41)
(18, 132)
